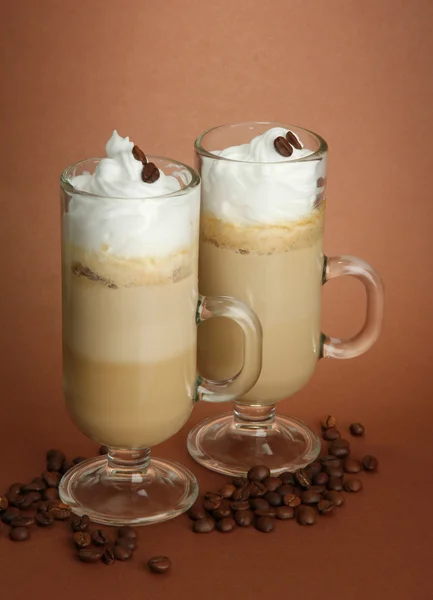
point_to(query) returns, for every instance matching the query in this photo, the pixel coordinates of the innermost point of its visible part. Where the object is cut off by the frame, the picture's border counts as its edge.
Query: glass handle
(337, 266)
(242, 382)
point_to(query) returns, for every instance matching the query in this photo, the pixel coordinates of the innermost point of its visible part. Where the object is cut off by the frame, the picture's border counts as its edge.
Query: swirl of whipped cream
(129, 218)
(258, 186)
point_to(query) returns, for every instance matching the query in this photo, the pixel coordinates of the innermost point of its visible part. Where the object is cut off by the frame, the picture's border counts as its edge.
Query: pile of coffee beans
(25, 505)
(260, 499)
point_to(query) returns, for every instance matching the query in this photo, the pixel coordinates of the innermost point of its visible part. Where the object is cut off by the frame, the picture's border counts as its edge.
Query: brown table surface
(360, 73)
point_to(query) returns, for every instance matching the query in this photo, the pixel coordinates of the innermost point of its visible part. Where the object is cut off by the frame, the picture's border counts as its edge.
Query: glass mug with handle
(130, 313)
(262, 221)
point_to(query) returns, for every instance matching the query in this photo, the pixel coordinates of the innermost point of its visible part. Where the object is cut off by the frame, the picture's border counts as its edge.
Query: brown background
(359, 73)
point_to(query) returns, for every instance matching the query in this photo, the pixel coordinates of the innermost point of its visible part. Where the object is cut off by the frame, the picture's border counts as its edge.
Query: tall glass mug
(262, 217)
(130, 313)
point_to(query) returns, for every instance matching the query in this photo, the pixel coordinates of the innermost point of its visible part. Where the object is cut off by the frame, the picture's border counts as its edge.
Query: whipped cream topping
(276, 191)
(129, 219)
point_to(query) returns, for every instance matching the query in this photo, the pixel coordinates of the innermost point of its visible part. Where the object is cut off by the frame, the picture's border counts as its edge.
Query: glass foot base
(161, 492)
(229, 447)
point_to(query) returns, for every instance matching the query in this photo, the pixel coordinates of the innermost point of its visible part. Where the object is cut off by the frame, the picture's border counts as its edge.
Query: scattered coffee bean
(55, 460)
(370, 463)
(10, 513)
(127, 532)
(19, 534)
(334, 471)
(328, 421)
(291, 500)
(313, 469)
(259, 504)
(129, 543)
(258, 473)
(257, 489)
(108, 556)
(329, 460)
(272, 483)
(284, 513)
(29, 499)
(331, 434)
(227, 491)
(138, 154)
(244, 518)
(241, 493)
(150, 173)
(271, 513)
(336, 498)
(286, 488)
(43, 505)
(205, 525)
(59, 511)
(43, 519)
(197, 512)
(103, 450)
(89, 555)
(50, 494)
(335, 484)
(80, 523)
(22, 521)
(51, 478)
(159, 564)
(212, 501)
(357, 429)
(339, 448)
(306, 515)
(4, 503)
(282, 146)
(302, 478)
(225, 525)
(66, 465)
(310, 497)
(240, 481)
(293, 140)
(265, 524)
(353, 485)
(221, 513)
(325, 506)
(240, 505)
(122, 552)
(14, 490)
(81, 539)
(351, 465)
(287, 477)
(78, 459)
(36, 485)
(273, 498)
(320, 479)
(99, 539)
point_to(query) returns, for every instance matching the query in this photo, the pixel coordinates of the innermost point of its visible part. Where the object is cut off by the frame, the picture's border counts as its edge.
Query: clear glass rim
(70, 189)
(320, 151)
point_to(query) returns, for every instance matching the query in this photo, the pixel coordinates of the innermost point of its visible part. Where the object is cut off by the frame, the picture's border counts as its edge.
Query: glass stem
(254, 417)
(124, 464)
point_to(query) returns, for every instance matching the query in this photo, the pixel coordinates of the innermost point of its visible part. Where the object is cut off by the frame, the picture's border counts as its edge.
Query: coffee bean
(108, 556)
(59, 511)
(212, 501)
(293, 140)
(14, 490)
(81, 539)
(159, 564)
(138, 154)
(52, 478)
(331, 434)
(286, 488)
(353, 485)
(80, 523)
(127, 532)
(221, 513)
(244, 518)
(129, 543)
(357, 429)
(310, 497)
(336, 498)
(282, 146)
(10, 513)
(284, 513)
(43, 519)
(370, 463)
(241, 493)
(78, 459)
(4, 503)
(258, 473)
(272, 483)
(264, 524)
(313, 469)
(257, 489)
(239, 505)
(351, 465)
(19, 534)
(66, 465)
(227, 491)
(22, 521)
(197, 512)
(302, 478)
(98, 538)
(325, 506)
(240, 481)
(319, 489)
(334, 471)
(36, 485)
(225, 525)
(320, 479)
(50, 494)
(29, 499)
(328, 421)
(291, 500)
(270, 513)
(339, 448)
(259, 504)
(306, 515)
(43, 505)
(335, 484)
(103, 450)
(329, 460)
(122, 552)
(89, 555)
(205, 525)
(287, 477)
(273, 498)
(55, 460)
(150, 173)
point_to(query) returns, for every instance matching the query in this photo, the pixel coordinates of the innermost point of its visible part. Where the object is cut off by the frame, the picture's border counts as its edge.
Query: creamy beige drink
(129, 302)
